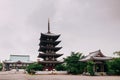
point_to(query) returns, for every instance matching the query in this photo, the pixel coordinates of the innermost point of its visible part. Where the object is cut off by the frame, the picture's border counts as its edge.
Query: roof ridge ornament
(49, 25)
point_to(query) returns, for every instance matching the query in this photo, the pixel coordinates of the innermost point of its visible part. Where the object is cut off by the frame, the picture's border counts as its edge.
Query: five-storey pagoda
(48, 49)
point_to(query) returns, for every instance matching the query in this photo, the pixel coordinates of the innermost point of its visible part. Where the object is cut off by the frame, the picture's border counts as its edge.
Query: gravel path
(20, 76)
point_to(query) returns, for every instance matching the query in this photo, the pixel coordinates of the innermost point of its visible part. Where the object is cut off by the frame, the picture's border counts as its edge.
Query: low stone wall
(96, 74)
(51, 72)
(100, 73)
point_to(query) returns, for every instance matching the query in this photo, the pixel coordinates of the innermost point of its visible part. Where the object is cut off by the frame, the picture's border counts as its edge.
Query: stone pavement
(13, 75)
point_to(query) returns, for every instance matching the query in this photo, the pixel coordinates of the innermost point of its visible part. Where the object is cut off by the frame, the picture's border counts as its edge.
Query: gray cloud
(84, 25)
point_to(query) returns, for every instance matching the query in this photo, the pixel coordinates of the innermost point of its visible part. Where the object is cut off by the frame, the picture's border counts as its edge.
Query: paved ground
(12, 75)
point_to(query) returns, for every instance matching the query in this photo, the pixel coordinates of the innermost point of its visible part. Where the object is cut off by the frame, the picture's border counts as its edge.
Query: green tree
(0, 66)
(117, 53)
(74, 66)
(114, 66)
(61, 67)
(90, 66)
(34, 67)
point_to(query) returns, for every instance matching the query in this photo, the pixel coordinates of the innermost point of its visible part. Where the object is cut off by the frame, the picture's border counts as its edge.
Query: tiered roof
(43, 55)
(97, 55)
(48, 49)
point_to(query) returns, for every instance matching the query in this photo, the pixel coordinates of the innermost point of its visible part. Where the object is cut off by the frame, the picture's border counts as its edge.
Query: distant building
(99, 59)
(17, 62)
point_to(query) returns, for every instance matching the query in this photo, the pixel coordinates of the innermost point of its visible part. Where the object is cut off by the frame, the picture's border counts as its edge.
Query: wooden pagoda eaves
(48, 48)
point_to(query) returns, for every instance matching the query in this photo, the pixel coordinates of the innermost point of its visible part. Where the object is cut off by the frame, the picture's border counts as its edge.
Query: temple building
(99, 59)
(17, 62)
(48, 48)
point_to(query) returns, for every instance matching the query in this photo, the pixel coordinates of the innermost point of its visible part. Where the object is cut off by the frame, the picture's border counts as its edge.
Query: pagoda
(48, 48)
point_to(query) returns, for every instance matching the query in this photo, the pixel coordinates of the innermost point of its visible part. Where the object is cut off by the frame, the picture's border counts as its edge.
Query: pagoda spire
(48, 25)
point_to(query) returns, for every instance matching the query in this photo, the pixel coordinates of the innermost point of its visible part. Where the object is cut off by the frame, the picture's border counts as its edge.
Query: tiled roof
(8, 61)
(97, 55)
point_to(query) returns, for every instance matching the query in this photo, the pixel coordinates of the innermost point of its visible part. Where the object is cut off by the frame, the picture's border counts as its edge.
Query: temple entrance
(48, 67)
(99, 67)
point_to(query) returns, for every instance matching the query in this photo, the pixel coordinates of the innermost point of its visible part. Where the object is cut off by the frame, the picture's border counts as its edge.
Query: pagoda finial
(48, 25)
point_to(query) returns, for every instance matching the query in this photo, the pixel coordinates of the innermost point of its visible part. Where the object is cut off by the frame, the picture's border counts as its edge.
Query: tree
(114, 66)
(34, 67)
(117, 53)
(74, 66)
(61, 67)
(0, 66)
(90, 66)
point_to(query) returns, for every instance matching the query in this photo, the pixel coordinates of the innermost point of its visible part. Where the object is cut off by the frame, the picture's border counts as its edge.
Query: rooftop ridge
(95, 51)
(19, 55)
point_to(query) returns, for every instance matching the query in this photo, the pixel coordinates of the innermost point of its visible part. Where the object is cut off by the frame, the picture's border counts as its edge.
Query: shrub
(114, 67)
(60, 67)
(34, 67)
(0, 66)
(73, 65)
(90, 66)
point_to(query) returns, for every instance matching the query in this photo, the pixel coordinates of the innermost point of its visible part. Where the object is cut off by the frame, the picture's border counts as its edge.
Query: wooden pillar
(94, 67)
(101, 67)
(8, 66)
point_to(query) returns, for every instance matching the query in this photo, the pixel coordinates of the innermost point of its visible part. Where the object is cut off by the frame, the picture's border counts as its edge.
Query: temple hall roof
(18, 59)
(97, 55)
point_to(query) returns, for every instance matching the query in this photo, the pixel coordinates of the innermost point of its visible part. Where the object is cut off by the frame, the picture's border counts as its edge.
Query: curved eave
(44, 36)
(45, 54)
(49, 35)
(43, 49)
(44, 43)
(97, 59)
(11, 62)
(102, 58)
(50, 62)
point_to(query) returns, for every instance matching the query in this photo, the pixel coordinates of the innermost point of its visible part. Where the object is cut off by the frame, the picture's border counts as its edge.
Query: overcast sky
(85, 26)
